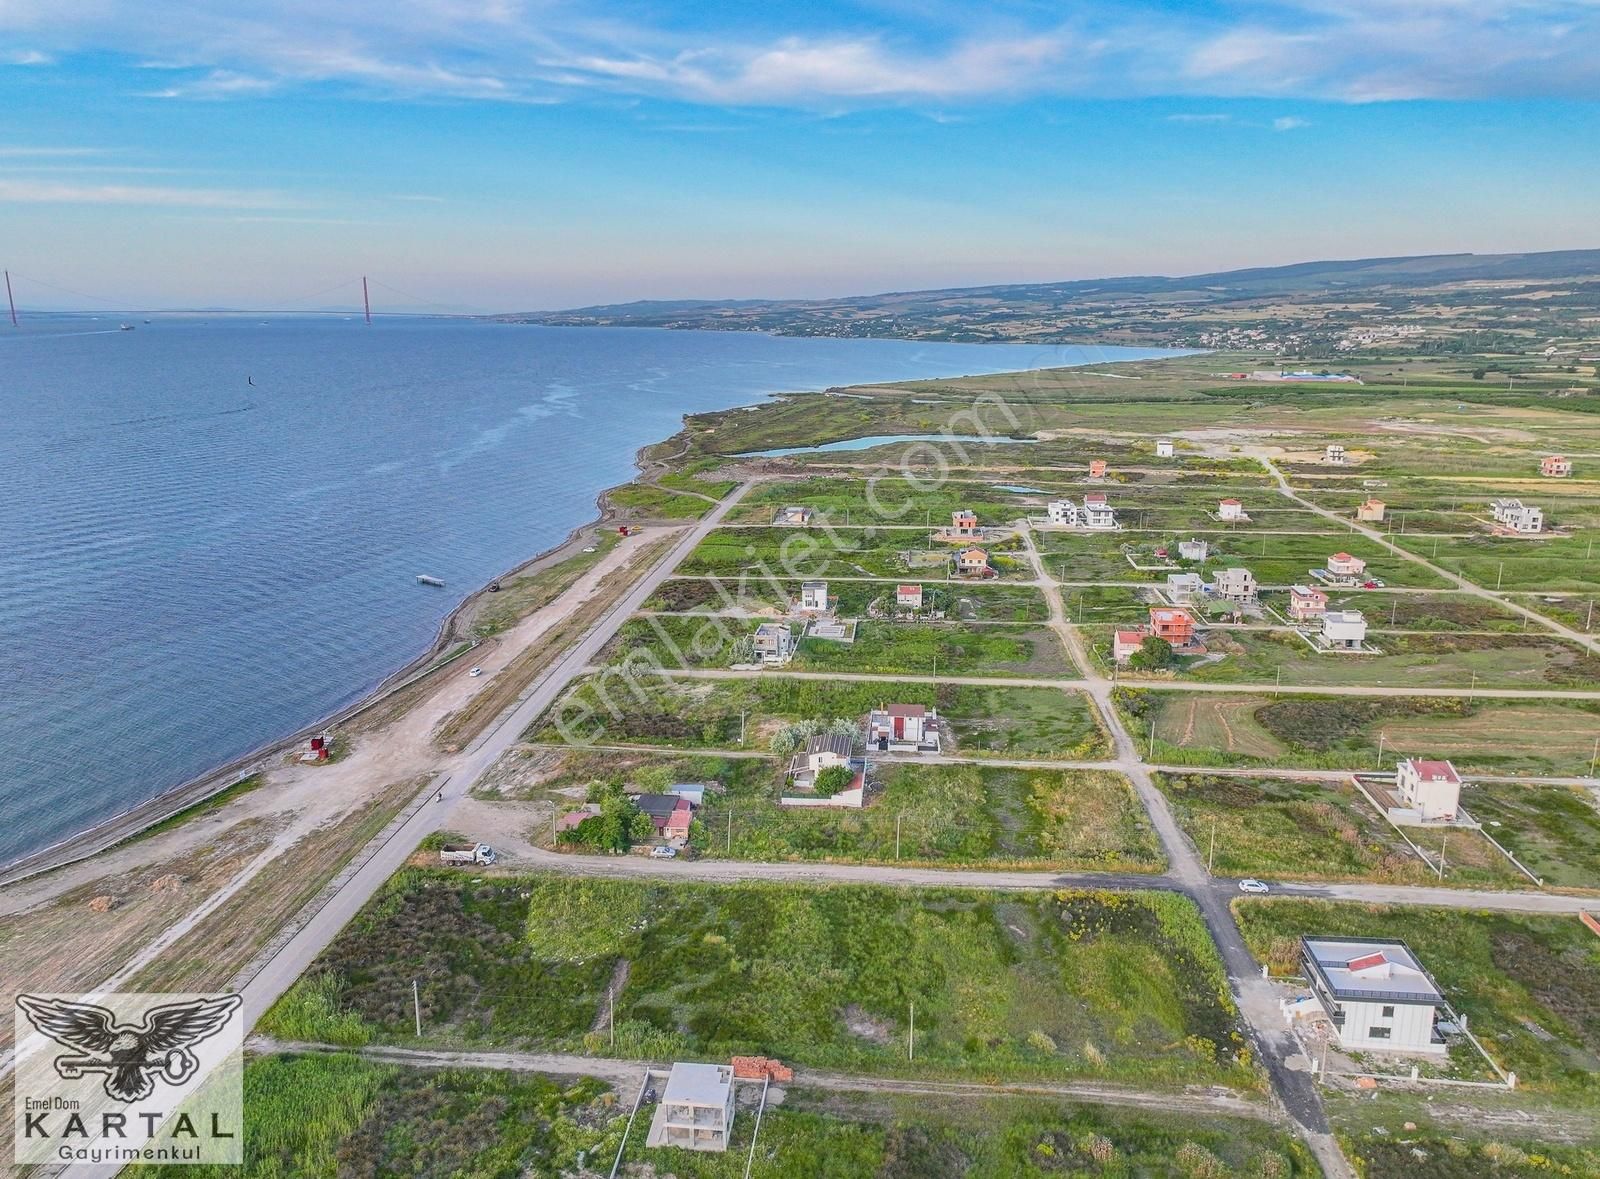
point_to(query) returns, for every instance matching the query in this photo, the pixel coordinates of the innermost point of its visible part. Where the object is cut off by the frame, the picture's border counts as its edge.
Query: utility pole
(10, 300)
(611, 1014)
(911, 1040)
(416, 1006)
(366, 303)
(742, 714)
(1442, 844)
(1501, 574)
(1211, 853)
(1381, 736)
(1595, 757)
(897, 834)
(1473, 687)
(730, 830)
(1590, 618)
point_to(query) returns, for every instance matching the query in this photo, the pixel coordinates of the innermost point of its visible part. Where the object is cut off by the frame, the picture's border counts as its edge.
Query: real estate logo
(129, 1077)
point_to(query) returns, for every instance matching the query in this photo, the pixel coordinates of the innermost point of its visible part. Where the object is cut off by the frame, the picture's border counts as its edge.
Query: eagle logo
(128, 1055)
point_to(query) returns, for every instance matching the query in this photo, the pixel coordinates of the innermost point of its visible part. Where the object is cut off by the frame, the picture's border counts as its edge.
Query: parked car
(1252, 886)
(663, 853)
(476, 671)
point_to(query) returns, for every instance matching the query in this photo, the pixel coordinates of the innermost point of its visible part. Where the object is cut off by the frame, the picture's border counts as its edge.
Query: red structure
(761, 1068)
(1174, 625)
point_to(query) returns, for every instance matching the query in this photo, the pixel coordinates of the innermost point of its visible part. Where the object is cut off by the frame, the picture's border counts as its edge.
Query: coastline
(128, 824)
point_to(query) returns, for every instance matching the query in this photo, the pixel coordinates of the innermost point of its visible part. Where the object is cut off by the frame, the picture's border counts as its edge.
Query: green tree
(1153, 655)
(833, 779)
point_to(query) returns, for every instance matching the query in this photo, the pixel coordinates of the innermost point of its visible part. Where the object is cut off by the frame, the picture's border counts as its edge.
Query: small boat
(424, 579)
(125, 327)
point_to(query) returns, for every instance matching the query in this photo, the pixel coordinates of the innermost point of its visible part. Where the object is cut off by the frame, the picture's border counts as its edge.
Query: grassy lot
(944, 815)
(1431, 612)
(963, 601)
(1555, 830)
(339, 1115)
(843, 552)
(1038, 984)
(644, 501)
(880, 648)
(1288, 829)
(563, 774)
(1407, 660)
(1545, 737)
(822, 1134)
(891, 499)
(1106, 603)
(1023, 722)
(1529, 986)
(1554, 564)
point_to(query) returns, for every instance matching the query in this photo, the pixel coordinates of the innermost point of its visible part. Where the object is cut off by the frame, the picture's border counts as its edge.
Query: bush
(1154, 654)
(834, 779)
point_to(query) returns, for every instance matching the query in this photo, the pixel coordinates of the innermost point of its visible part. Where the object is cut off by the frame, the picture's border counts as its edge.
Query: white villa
(1516, 516)
(1334, 454)
(1193, 549)
(1375, 992)
(814, 596)
(1234, 585)
(822, 752)
(903, 728)
(909, 596)
(1164, 448)
(1429, 789)
(1097, 513)
(1344, 568)
(1231, 509)
(696, 1110)
(1063, 511)
(1344, 630)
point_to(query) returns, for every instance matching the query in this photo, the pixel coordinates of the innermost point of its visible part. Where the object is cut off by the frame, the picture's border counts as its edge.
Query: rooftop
(698, 1084)
(1434, 771)
(1371, 969)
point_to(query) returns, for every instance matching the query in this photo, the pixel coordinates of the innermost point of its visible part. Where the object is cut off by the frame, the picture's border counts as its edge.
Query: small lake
(872, 440)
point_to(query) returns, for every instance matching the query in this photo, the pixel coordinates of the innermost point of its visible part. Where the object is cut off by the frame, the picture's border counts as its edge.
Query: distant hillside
(1479, 291)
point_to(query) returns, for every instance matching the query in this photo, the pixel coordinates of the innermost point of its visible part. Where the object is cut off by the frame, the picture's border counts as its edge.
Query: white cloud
(1199, 118)
(25, 57)
(544, 50)
(1288, 123)
(49, 192)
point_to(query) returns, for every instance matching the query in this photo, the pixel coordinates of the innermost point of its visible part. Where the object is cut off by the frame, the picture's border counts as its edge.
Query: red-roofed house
(972, 563)
(904, 727)
(1126, 641)
(1555, 466)
(909, 596)
(1344, 567)
(1097, 469)
(1430, 788)
(1231, 509)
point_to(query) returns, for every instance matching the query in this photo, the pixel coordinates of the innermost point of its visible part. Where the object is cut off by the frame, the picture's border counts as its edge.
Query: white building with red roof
(1231, 509)
(1430, 788)
(1126, 640)
(909, 596)
(1306, 603)
(903, 728)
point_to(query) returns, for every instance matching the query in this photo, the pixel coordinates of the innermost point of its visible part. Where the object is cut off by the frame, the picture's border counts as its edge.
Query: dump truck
(466, 853)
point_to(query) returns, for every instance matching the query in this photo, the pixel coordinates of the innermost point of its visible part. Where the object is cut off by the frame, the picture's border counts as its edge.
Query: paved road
(1257, 1001)
(280, 971)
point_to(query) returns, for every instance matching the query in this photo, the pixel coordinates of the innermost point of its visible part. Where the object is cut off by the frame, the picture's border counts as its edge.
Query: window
(1388, 1013)
(1378, 1033)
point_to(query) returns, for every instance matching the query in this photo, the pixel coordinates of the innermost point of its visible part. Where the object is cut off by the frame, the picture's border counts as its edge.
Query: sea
(211, 525)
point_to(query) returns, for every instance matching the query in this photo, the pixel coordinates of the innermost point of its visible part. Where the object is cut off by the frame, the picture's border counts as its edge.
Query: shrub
(834, 779)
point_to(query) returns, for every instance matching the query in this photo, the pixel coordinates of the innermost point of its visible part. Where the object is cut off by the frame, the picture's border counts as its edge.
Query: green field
(1028, 984)
(827, 1134)
(1289, 829)
(1552, 564)
(944, 816)
(958, 601)
(1555, 830)
(340, 1115)
(657, 503)
(1022, 722)
(1405, 661)
(1529, 986)
(1544, 737)
(844, 552)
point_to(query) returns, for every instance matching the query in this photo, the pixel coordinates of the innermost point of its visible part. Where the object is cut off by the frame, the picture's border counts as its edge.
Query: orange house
(1097, 469)
(1174, 625)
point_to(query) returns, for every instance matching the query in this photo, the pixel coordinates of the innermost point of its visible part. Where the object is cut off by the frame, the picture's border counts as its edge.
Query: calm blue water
(191, 566)
(872, 440)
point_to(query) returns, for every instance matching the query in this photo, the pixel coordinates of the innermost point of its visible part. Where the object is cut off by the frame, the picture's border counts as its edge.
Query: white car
(1252, 886)
(591, 549)
(476, 671)
(663, 853)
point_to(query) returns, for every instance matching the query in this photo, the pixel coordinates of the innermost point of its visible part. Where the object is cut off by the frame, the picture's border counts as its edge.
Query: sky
(501, 155)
